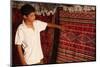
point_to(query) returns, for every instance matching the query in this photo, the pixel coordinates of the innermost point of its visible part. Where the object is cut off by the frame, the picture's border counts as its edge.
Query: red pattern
(80, 15)
(77, 42)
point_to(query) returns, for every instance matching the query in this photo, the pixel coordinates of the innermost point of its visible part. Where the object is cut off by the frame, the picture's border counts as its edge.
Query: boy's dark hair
(27, 9)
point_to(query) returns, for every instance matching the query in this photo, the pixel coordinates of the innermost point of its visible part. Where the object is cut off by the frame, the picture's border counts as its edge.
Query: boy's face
(30, 17)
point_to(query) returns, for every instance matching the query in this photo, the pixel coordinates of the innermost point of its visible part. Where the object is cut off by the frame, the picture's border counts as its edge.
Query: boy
(28, 36)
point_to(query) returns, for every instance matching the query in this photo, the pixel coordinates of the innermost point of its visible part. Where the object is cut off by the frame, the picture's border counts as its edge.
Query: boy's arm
(19, 48)
(55, 26)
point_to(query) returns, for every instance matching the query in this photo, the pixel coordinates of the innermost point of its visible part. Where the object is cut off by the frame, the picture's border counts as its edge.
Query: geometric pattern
(78, 41)
(82, 38)
(76, 46)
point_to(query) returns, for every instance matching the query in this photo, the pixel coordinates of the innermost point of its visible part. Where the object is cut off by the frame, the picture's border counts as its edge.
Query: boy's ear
(25, 16)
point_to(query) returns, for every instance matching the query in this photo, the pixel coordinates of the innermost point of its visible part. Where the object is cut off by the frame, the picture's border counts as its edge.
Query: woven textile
(78, 41)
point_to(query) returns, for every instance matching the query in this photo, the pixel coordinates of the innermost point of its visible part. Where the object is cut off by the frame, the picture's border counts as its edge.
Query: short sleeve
(42, 25)
(19, 37)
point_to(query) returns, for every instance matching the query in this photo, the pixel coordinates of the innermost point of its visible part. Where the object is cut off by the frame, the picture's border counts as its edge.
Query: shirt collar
(25, 24)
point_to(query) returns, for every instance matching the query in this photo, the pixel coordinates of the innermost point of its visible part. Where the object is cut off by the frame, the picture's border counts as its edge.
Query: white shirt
(30, 40)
